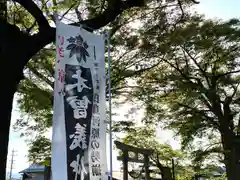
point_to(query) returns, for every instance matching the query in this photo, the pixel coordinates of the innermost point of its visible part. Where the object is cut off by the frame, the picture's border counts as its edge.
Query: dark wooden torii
(137, 151)
(125, 158)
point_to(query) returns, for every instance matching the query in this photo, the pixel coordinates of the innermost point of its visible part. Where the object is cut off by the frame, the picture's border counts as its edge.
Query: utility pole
(173, 169)
(11, 165)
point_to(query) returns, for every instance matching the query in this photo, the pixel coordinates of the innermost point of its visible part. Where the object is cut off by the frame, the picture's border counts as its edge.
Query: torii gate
(166, 172)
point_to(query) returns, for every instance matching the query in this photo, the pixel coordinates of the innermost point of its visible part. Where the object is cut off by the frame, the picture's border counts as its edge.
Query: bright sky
(223, 9)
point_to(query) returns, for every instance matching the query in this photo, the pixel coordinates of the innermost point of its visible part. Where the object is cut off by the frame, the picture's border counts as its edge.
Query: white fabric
(59, 149)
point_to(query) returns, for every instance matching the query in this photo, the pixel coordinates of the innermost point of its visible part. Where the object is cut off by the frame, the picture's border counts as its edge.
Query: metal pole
(173, 169)
(110, 104)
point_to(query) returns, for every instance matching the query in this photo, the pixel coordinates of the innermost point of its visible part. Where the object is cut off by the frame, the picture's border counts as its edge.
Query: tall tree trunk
(232, 164)
(12, 61)
(7, 91)
(231, 156)
(10, 77)
(6, 109)
(8, 88)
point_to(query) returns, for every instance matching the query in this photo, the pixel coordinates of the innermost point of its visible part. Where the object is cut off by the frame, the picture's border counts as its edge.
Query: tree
(40, 151)
(35, 91)
(26, 44)
(195, 90)
(145, 137)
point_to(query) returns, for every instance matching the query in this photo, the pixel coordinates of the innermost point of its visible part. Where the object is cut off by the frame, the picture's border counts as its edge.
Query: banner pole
(110, 103)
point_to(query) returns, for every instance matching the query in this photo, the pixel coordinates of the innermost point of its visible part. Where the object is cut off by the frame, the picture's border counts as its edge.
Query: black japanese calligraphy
(95, 108)
(95, 156)
(96, 170)
(95, 144)
(95, 133)
(61, 92)
(96, 120)
(94, 50)
(96, 64)
(96, 98)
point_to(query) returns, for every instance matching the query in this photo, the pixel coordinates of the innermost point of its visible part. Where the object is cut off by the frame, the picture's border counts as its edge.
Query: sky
(220, 9)
(224, 9)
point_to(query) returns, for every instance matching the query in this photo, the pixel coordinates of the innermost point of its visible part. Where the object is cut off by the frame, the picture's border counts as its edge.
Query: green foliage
(194, 90)
(35, 91)
(145, 137)
(123, 126)
(19, 16)
(35, 94)
(223, 177)
(40, 151)
(200, 155)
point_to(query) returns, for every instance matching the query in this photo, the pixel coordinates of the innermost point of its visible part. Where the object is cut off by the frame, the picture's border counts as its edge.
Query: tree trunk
(10, 77)
(6, 109)
(12, 60)
(12, 63)
(232, 159)
(7, 90)
(232, 165)
(231, 156)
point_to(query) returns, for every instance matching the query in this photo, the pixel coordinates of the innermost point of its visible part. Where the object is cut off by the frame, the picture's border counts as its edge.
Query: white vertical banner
(79, 129)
